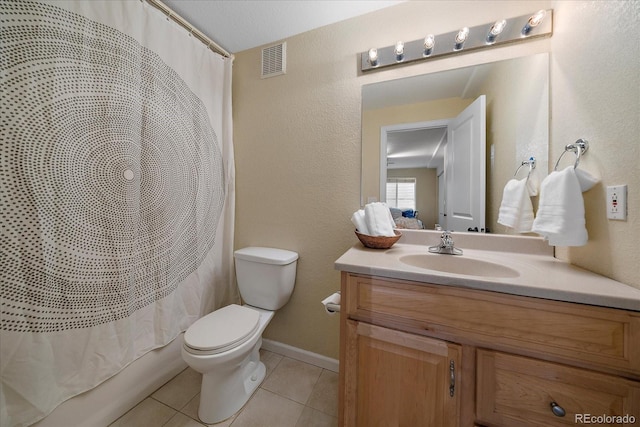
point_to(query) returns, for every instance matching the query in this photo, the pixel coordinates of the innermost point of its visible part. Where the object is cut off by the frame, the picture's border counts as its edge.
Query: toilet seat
(221, 330)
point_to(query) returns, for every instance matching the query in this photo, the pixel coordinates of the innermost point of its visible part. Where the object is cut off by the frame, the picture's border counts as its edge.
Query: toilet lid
(225, 328)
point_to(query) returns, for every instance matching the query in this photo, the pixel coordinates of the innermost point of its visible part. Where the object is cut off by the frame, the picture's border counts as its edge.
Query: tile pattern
(294, 394)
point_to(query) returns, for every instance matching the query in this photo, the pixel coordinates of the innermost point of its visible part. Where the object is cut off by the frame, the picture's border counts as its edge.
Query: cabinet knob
(557, 410)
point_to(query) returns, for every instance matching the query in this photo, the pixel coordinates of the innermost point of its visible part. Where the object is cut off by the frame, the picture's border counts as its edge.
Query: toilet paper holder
(332, 303)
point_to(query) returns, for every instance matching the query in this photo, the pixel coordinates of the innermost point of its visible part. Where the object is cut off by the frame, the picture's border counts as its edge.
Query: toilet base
(222, 396)
(230, 378)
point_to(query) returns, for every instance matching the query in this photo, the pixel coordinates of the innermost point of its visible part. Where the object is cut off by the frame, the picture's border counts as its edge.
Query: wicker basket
(378, 242)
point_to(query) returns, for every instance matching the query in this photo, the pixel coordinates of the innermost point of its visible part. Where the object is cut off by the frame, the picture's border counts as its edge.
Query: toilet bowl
(231, 371)
(224, 346)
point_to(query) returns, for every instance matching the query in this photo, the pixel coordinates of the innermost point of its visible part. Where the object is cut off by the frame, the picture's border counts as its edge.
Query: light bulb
(373, 56)
(399, 50)
(534, 21)
(429, 42)
(496, 30)
(461, 37)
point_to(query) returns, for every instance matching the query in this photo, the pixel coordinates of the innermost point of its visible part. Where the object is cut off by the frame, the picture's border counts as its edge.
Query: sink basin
(458, 265)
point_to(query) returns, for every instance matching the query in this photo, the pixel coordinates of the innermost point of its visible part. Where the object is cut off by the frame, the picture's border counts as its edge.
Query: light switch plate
(617, 202)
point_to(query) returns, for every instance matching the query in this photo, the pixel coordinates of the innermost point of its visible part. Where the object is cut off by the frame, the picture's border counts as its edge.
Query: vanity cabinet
(517, 361)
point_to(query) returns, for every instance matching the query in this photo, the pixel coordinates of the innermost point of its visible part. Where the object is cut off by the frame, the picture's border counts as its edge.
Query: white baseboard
(301, 355)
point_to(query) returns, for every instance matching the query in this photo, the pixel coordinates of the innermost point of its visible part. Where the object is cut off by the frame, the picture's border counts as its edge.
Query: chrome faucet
(446, 245)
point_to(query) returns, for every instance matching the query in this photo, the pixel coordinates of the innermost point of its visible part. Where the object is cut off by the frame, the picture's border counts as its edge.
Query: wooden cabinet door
(396, 379)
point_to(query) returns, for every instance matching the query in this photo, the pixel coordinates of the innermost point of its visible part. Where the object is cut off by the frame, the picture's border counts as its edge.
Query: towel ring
(579, 148)
(531, 163)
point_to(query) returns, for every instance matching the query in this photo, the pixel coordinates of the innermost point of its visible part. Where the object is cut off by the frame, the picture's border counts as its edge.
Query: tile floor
(293, 393)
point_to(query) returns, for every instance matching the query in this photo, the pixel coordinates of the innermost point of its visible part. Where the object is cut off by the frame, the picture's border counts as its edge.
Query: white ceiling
(419, 148)
(238, 25)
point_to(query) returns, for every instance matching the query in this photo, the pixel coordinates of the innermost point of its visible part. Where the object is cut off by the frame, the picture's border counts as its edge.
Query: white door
(465, 168)
(442, 203)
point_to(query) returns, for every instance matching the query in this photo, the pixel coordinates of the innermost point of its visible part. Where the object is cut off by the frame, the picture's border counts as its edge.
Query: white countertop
(541, 275)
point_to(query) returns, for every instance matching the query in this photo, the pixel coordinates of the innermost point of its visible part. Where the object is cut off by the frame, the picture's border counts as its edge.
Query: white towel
(379, 220)
(560, 217)
(358, 220)
(586, 180)
(516, 210)
(533, 183)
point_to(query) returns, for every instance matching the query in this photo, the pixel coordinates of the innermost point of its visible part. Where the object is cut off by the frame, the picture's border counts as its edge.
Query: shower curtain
(116, 193)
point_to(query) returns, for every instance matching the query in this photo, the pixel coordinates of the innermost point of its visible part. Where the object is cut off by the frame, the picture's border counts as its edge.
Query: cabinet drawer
(586, 335)
(519, 391)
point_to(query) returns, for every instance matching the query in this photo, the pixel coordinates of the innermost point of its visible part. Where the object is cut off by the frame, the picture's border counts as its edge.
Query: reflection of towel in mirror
(379, 220)
(516, 210)
(533, 183)
(560, 217)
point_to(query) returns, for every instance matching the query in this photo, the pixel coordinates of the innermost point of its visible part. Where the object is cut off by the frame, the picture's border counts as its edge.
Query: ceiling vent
(274, 60)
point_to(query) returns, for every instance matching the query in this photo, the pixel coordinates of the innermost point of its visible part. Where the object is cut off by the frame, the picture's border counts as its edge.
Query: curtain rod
(171, 14)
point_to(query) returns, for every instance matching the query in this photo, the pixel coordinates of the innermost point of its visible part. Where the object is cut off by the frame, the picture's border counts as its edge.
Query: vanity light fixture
(429, 42)
(533, 22)
(496, 30)
(373, 56)
(399, 51)
(461, 37)
(468, 39)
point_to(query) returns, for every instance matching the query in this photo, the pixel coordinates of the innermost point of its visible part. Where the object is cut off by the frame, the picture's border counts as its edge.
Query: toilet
(224, 346)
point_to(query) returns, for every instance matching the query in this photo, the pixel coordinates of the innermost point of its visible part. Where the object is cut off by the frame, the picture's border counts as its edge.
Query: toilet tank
(265, 276)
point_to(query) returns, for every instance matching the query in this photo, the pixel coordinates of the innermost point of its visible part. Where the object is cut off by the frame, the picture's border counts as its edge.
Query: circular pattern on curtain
(111, 182)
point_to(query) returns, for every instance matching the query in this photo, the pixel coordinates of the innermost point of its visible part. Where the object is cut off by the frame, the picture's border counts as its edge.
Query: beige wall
(595, 94)
(297, 137)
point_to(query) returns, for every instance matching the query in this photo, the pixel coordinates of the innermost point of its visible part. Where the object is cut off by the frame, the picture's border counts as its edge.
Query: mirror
(404, 136)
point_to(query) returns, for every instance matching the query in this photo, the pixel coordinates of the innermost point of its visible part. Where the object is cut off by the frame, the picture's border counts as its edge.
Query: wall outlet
(617, 202)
